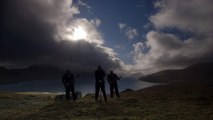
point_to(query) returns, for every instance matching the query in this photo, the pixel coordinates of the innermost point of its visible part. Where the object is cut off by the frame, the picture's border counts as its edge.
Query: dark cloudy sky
(128, 35)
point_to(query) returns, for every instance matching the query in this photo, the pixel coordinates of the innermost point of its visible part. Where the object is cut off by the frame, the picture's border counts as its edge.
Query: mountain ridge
(34, 72)
(197, 73)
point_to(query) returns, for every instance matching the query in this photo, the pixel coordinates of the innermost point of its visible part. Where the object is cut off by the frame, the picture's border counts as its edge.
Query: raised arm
(118, 78)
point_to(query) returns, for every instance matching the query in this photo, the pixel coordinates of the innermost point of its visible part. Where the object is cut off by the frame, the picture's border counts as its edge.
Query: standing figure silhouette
(100, 83)
(112, 79)
(69, 81)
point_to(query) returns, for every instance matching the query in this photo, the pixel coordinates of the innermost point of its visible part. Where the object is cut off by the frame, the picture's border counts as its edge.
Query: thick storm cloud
(36, 32)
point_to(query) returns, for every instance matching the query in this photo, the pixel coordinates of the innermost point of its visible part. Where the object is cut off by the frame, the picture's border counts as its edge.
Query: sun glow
(76, 33)
(79, 33)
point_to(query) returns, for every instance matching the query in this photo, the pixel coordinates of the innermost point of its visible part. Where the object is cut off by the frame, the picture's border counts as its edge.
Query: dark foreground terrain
(163, 102)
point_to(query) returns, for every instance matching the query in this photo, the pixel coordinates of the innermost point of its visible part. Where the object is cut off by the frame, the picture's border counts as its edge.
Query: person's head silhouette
(99, 67)
(68, 71)
(111, 72)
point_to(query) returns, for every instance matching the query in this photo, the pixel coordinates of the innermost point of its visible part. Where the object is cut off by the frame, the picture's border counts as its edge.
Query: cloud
(166, 51)
(89, 26)
(96, 22)
(130, 32)
(81, 3)
(163, 50)
(37, 32)
(192, 15)
(138, 51)
(121, 26)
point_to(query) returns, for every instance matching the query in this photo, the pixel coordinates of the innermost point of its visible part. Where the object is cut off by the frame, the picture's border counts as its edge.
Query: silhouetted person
(69, 81)
(100, 83)
(112, 79)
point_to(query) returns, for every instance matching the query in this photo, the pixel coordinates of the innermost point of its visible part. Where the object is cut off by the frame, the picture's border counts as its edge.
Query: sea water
(84, 85)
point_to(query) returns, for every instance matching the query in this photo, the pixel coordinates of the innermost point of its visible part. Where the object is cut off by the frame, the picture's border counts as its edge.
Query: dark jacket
(99, 75)
(112, 78)
(68, 79)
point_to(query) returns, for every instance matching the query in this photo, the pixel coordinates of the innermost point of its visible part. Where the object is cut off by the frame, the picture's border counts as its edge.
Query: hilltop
(166, 102)
(201, 73)
(34, 72)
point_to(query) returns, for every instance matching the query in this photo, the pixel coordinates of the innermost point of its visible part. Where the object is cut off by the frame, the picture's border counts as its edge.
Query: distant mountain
(135, 75)
(34, 72)
(198, 73)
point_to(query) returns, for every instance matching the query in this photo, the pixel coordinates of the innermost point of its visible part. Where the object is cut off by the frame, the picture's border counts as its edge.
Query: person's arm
(116, 77)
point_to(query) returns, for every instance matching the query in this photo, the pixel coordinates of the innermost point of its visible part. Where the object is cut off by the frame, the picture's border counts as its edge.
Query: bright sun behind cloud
(76, 33)
(79, 33)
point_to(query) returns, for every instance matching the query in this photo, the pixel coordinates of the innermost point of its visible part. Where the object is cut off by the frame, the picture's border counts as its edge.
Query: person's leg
(97, 88)
(104, 92)
(116, 91)
(67, 91)
(73, 92)
(111, 90)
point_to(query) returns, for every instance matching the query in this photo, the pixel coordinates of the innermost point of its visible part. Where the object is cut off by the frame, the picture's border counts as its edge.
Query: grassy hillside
(166, 102)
